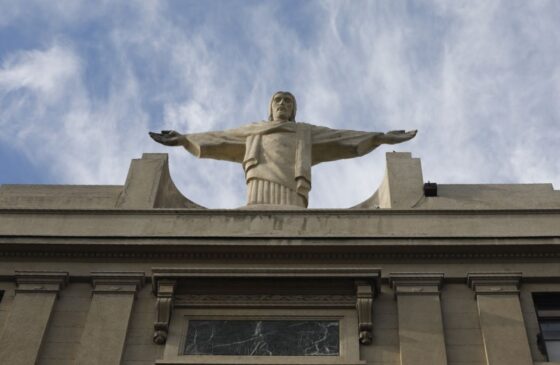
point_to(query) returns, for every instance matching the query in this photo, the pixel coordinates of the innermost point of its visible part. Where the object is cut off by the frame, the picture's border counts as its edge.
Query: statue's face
(282, 106)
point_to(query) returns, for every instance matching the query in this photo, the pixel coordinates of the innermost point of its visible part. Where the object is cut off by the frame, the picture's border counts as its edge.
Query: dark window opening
(547, 306)
(262, 337)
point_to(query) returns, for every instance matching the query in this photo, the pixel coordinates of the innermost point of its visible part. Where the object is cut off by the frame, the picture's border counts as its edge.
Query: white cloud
(44, 72)
(479, 79)
(51, 117)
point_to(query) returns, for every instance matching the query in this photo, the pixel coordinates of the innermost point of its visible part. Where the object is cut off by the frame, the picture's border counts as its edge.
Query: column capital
(494, 283)
(415, 283)
(40, 281)
(117, 282)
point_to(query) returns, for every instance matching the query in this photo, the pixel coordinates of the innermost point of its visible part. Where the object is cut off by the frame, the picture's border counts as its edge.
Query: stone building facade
(419, 274)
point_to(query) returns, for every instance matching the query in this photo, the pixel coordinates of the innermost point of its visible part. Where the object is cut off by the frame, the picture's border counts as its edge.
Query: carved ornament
(164, 307)
(364, 306)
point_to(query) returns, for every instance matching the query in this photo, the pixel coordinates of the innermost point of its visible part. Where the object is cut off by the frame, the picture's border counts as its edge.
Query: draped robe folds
(283, 152)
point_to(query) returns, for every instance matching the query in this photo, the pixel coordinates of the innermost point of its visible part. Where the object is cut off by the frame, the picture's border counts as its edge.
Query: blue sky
(82, 82)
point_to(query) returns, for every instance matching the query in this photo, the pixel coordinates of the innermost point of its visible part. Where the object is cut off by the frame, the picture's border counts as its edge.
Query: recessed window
(256, 336)
(262, 337)
(547, 306)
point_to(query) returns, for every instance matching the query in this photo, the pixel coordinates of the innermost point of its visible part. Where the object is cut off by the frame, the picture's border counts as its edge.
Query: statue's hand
(402, 133)
(393, 137)
(168, 138)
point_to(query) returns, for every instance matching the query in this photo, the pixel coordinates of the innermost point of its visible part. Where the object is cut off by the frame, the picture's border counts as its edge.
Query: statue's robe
(277, 156)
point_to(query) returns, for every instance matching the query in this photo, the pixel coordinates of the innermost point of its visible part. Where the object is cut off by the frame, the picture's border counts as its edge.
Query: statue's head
(282, 107)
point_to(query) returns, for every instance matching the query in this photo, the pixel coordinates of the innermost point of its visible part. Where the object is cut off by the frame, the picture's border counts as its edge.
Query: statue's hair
(292, 117)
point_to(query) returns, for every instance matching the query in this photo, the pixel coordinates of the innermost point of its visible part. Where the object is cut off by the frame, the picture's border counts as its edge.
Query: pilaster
(107, 322)
(22, 337)
(421, 336)
(501, 319)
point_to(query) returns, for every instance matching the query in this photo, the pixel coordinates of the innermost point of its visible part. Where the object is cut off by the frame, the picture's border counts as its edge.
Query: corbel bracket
(164, 307)
(364, 307)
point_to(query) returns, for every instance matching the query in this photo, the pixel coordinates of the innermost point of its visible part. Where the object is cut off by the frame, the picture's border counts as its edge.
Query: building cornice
(47, 252)
(280, 212)
(187, 223)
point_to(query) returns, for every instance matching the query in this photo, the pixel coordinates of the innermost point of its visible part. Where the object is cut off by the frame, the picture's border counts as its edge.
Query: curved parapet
(402, 186)
(149, 185)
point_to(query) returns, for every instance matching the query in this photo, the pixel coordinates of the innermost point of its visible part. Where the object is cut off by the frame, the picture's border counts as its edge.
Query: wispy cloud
(39, 71)
(50, 116)
(479, 79)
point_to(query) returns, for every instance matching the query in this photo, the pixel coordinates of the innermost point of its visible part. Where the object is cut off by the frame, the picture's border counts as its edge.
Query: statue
(277, 154)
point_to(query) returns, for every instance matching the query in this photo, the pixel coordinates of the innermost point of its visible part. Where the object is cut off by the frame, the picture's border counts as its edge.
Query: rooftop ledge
(184, 223)
(149, 187)
(149, 206)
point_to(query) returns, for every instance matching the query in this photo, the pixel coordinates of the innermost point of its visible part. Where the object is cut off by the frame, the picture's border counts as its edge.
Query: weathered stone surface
(501, 319)
(401, 188)
(59, 196)
(421, 336)
(22, 337)
(149, 185)
(104, 335)
(282, 224)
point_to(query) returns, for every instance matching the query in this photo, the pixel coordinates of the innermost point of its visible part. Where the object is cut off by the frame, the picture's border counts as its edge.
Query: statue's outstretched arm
(226, 145)
(332, 144)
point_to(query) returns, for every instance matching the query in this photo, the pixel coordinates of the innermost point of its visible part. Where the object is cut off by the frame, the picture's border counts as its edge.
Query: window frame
(547, 309)
(304, 298)
(349, 351)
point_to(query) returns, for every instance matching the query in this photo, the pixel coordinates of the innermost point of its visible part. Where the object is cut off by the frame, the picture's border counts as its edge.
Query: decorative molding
(415, 283)
(40, 281)
(164, 307)
(356, 255)
(265, 300)
(367, 281)
(117, 282)
(278, 212)
(364, 307)
(369, 274)
(494, 283)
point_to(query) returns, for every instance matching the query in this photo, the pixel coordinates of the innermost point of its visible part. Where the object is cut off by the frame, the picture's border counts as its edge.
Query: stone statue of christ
(277, 154)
